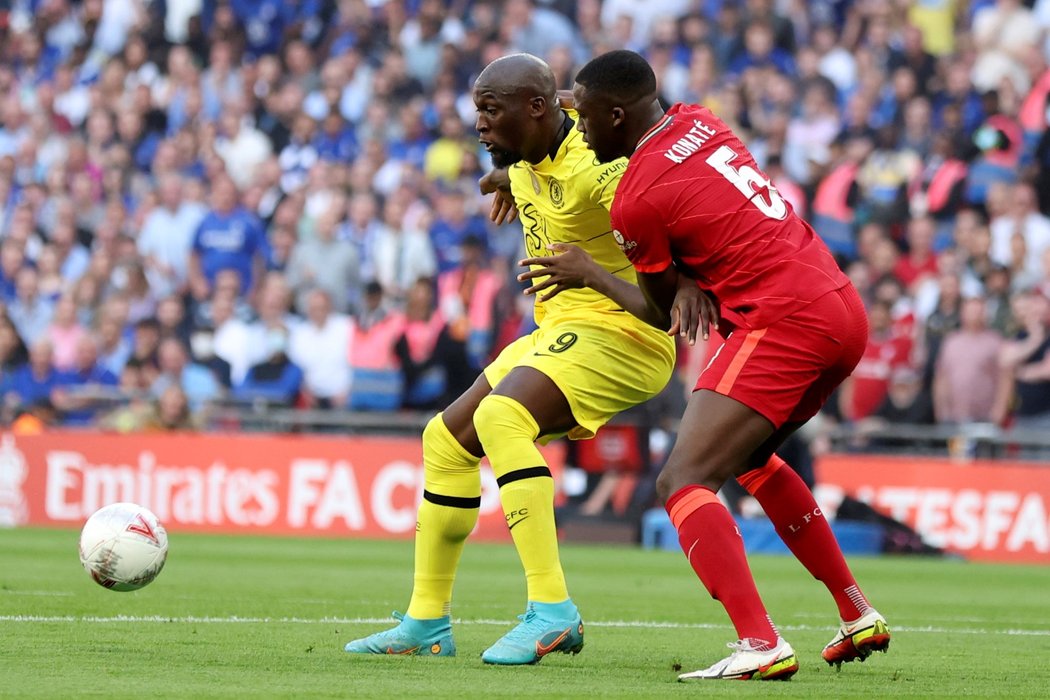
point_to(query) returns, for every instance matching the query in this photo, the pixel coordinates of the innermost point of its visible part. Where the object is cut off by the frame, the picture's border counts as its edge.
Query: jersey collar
(657, 128)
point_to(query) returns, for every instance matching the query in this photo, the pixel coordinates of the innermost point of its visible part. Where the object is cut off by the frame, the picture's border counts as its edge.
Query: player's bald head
(519, 74)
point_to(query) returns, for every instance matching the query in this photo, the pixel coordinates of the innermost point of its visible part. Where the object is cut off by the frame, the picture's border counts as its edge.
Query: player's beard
(502, 158)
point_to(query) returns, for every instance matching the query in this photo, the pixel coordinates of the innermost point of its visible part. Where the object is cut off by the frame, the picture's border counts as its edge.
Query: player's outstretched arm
(675, 303)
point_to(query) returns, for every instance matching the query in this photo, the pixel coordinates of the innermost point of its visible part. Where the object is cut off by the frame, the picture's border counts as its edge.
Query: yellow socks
(508, 433)
(447, 515)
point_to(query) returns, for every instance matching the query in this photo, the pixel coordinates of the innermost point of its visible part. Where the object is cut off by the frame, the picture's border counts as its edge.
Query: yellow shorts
(603, 362)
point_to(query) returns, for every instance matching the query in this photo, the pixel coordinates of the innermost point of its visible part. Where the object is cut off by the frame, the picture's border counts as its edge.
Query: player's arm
(498, 182)
(666, 299)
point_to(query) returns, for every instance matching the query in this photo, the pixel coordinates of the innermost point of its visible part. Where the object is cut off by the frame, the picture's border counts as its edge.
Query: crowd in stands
(275, 203)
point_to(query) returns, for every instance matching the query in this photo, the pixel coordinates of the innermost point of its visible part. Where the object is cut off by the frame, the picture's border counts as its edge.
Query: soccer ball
(123, 546)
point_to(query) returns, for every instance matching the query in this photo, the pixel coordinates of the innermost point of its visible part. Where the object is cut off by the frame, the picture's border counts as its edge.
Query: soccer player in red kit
(693, 200)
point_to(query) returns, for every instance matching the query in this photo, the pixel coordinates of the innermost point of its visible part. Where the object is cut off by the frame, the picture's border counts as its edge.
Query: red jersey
(871, 379)
(693, 195)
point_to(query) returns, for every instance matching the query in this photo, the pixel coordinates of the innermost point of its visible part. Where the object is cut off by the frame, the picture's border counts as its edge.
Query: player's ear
(618, 116)
(537, 105)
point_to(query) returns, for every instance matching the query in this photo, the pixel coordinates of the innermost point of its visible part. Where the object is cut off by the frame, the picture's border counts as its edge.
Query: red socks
(789, 504)
(711, 542)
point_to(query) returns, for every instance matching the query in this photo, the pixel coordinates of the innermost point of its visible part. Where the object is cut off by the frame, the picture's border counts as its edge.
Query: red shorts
(787, 371)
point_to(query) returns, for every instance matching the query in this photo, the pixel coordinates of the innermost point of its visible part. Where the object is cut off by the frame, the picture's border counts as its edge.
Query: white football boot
(747, 663)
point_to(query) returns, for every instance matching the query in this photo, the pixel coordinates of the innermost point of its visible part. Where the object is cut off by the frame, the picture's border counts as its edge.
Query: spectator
(202, 352)
(863, 392)
(320, 346)
(228, 237)
(13, 351)
(999, 142)
(467, 297)
(33, 381)
(167, 236)
(361, 229)
(920, 260)
(432, 362)
(336, 140)
(966, 375)
(65, 334)
(1021, 235)
(884, 179)
(50, 280)
(29, 312)
(145, 340)
(942, 184)
(173, 361)
(1002, 31)
(403, 252)
(276, 379)
(452, 225)
(171, 318)
(907, 401)
(81, 390)
(810, 134)
(943, 319)
(12, 259)
(130, 278)
(272, 308)
(231, 339)
(323, 262)
(113, 348)
(171, 413)
(639, 15)
(1024, 396)
(299, 155)
(241, 146)
(375, 369)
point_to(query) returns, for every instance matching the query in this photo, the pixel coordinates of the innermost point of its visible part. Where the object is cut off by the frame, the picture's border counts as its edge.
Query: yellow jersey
(567, 200)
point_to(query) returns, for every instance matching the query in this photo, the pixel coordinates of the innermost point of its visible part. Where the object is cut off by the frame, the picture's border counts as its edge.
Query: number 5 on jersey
(750, 182)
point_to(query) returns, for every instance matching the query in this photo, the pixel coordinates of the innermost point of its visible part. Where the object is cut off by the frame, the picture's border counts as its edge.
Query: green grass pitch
(265, 618)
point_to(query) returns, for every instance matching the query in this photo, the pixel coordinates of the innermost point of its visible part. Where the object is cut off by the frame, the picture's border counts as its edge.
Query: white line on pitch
(924, 629)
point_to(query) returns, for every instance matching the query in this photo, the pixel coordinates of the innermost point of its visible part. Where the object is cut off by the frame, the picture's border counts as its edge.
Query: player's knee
(498, 418)
(678, 474)
(441, 450)
(434, 433)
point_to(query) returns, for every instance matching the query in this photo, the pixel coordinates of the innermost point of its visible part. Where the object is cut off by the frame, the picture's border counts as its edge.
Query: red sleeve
(641, 235)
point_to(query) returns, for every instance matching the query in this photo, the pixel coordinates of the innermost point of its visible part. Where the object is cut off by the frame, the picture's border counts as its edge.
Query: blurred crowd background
(264, 203)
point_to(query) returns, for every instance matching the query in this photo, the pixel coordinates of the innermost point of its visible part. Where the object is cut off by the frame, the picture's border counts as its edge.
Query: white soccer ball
(123, 546)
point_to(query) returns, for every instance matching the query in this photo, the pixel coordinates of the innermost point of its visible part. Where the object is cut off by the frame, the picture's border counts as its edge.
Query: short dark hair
(621, 74)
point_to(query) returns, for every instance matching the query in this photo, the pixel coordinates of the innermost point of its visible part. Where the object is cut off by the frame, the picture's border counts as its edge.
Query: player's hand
(496, 180)
(570, 268)
(503, 210)
(693, 309)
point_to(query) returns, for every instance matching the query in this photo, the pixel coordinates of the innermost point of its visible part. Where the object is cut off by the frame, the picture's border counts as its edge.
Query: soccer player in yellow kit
(587, 361)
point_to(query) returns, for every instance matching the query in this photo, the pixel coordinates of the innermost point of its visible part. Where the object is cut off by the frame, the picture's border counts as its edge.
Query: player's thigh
(541, 397)
(716, 436)
(601, 366)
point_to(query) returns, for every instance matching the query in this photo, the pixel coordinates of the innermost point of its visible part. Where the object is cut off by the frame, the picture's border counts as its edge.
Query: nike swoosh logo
(517, 522)
(545, 649)
(542, 354)
(403, 652)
